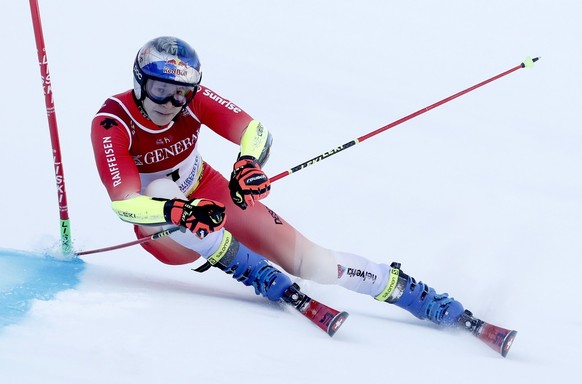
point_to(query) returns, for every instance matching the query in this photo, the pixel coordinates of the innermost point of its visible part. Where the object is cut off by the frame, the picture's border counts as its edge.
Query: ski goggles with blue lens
(160, 92)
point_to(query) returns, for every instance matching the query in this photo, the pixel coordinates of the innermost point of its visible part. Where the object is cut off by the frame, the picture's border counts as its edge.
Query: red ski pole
(528, 62)
(54, 132)
(157, 235)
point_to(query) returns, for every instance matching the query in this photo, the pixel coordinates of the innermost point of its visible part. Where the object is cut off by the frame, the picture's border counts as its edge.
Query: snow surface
(481, 197)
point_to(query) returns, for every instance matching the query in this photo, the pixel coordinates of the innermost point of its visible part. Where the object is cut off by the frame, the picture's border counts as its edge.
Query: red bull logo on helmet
(176, 67)
(181, 70)
(177, 63)
(175, 71)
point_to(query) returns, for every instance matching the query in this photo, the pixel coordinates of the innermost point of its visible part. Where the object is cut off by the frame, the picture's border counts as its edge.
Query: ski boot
(249, 268)
(419, 299)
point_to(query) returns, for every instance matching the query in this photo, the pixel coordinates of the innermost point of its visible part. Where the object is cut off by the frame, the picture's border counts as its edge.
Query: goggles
(160, 92)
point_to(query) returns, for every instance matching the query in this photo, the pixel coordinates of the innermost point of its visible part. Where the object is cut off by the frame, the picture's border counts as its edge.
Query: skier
(145, 142)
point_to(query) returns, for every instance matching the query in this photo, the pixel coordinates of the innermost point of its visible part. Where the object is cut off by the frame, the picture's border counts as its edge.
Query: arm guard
(141, 210)
(256, 142)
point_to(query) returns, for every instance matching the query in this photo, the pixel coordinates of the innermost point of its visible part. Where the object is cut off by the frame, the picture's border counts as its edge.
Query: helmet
(167, 59)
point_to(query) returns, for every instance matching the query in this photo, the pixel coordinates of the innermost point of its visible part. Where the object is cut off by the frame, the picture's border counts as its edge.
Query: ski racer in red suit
(145, 143)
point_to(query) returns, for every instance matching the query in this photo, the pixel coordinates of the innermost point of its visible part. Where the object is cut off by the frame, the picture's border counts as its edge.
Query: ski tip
(336, 323)
(507, 343)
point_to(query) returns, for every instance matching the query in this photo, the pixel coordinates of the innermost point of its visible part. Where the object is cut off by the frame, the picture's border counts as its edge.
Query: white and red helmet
(169, 60)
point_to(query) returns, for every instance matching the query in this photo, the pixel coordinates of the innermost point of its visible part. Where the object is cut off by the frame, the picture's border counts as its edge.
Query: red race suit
(131, 151)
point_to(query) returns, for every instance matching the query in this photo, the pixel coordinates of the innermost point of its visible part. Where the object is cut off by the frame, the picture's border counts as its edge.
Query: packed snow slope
(480, 197)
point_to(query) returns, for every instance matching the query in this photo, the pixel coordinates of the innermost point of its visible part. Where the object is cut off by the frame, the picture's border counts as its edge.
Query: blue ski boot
(419, 299)
(249, 268)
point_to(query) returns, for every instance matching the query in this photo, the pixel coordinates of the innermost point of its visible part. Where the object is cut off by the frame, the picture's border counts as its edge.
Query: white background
(481, 197)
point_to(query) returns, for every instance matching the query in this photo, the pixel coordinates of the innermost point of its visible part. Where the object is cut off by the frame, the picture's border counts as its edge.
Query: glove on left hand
(247, 182)
(200, 216)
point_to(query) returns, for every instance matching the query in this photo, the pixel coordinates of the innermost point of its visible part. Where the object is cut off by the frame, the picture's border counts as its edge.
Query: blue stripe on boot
(424, 303)
(253, 269)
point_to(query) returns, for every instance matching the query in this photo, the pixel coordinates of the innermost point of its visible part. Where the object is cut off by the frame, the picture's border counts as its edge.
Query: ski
(326, 318)
(498, 338)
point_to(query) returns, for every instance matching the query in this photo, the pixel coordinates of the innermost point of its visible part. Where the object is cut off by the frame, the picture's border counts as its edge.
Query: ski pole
(155, 236)
(528, 62)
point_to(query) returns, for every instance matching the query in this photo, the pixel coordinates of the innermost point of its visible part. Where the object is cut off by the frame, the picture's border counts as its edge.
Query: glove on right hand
(248, 182)
(200, 216)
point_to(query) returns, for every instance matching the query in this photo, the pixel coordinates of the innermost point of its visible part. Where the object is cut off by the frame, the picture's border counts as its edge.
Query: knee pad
(164, 188)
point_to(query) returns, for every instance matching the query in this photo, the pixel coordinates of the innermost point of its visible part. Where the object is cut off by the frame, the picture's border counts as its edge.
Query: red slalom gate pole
(65, 229)
(528, 62)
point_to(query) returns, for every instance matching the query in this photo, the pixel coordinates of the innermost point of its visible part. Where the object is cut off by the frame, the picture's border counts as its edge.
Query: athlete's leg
(220, 248)
(267, 233)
